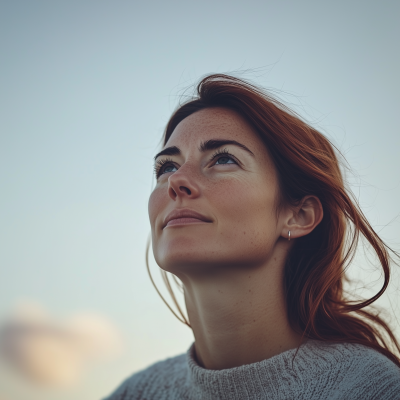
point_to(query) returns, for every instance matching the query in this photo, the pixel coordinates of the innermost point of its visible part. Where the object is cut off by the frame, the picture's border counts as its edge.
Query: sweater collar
(278, 377)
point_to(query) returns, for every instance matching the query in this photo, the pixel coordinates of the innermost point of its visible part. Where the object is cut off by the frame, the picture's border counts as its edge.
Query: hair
(307, 164)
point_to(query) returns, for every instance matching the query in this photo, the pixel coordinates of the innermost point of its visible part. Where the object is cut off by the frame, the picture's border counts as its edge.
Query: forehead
(213, 123)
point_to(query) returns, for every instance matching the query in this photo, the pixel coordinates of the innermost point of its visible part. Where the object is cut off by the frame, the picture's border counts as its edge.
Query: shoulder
(161, 376)
(358, 372)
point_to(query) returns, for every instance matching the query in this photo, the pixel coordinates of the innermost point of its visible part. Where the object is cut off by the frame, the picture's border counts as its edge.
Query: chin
(206, 258)
(196, 248)
(182, 257)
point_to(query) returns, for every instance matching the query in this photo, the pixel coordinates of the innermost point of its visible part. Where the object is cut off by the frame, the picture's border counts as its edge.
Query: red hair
(307, 164)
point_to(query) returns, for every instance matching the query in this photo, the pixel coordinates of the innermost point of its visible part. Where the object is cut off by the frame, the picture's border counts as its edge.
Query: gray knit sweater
(319, 371)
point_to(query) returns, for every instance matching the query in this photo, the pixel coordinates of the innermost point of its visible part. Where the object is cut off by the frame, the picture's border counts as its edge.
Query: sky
(86, 88)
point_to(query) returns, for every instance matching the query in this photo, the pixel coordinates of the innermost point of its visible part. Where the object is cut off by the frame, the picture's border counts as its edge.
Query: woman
(251, 214)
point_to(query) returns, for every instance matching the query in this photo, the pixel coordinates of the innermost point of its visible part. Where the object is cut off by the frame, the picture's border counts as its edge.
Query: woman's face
(214, 204)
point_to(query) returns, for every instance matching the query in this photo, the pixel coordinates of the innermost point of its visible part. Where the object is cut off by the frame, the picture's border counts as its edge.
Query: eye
(223, 157)
(165, 166)
(169, 168)
(225, 160)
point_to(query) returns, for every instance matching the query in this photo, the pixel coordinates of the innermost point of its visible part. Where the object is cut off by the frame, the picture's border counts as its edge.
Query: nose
(182, 184)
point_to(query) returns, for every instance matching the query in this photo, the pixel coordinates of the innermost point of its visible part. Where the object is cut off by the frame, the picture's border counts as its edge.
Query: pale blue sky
(85, 90)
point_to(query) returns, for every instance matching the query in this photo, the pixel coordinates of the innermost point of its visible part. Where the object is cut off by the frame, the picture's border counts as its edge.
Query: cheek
(244, 198)
(246, 212)
(156, 201)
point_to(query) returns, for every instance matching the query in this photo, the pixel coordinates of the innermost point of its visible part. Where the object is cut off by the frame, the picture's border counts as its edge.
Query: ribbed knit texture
(319, 371)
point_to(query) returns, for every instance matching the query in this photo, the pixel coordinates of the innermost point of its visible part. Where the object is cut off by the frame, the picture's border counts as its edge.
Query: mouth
(184, 217)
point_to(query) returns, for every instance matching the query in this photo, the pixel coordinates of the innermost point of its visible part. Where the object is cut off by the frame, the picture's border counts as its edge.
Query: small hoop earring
(289, 236)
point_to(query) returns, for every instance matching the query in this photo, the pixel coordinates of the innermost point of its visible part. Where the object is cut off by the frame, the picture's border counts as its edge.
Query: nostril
(185, 189)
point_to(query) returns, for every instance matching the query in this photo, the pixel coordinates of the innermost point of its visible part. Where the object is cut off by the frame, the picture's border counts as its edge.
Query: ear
(303, 218)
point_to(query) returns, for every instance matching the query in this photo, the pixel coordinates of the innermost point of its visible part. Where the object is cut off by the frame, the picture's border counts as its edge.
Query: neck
(238, 315)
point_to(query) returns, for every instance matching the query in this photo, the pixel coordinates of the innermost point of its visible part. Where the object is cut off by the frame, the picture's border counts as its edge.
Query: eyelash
(160, 164)
(223, 152)
(168, 161)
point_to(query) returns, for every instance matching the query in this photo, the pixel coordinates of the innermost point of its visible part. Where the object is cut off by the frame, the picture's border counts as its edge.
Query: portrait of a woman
(251, 213)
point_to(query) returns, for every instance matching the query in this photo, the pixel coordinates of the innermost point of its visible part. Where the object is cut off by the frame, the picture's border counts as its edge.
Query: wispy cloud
(53, 352)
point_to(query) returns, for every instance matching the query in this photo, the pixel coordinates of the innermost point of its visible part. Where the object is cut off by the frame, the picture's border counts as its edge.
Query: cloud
(52, 352)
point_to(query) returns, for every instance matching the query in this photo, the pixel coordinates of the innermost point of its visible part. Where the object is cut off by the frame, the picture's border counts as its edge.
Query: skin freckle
(226, 174)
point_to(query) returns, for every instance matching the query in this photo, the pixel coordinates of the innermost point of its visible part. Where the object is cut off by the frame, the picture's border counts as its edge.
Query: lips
(184, 216)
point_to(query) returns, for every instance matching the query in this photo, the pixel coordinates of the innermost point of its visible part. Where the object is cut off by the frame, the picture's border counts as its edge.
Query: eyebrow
(169, 151)
(211, 144)
(215, 144)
